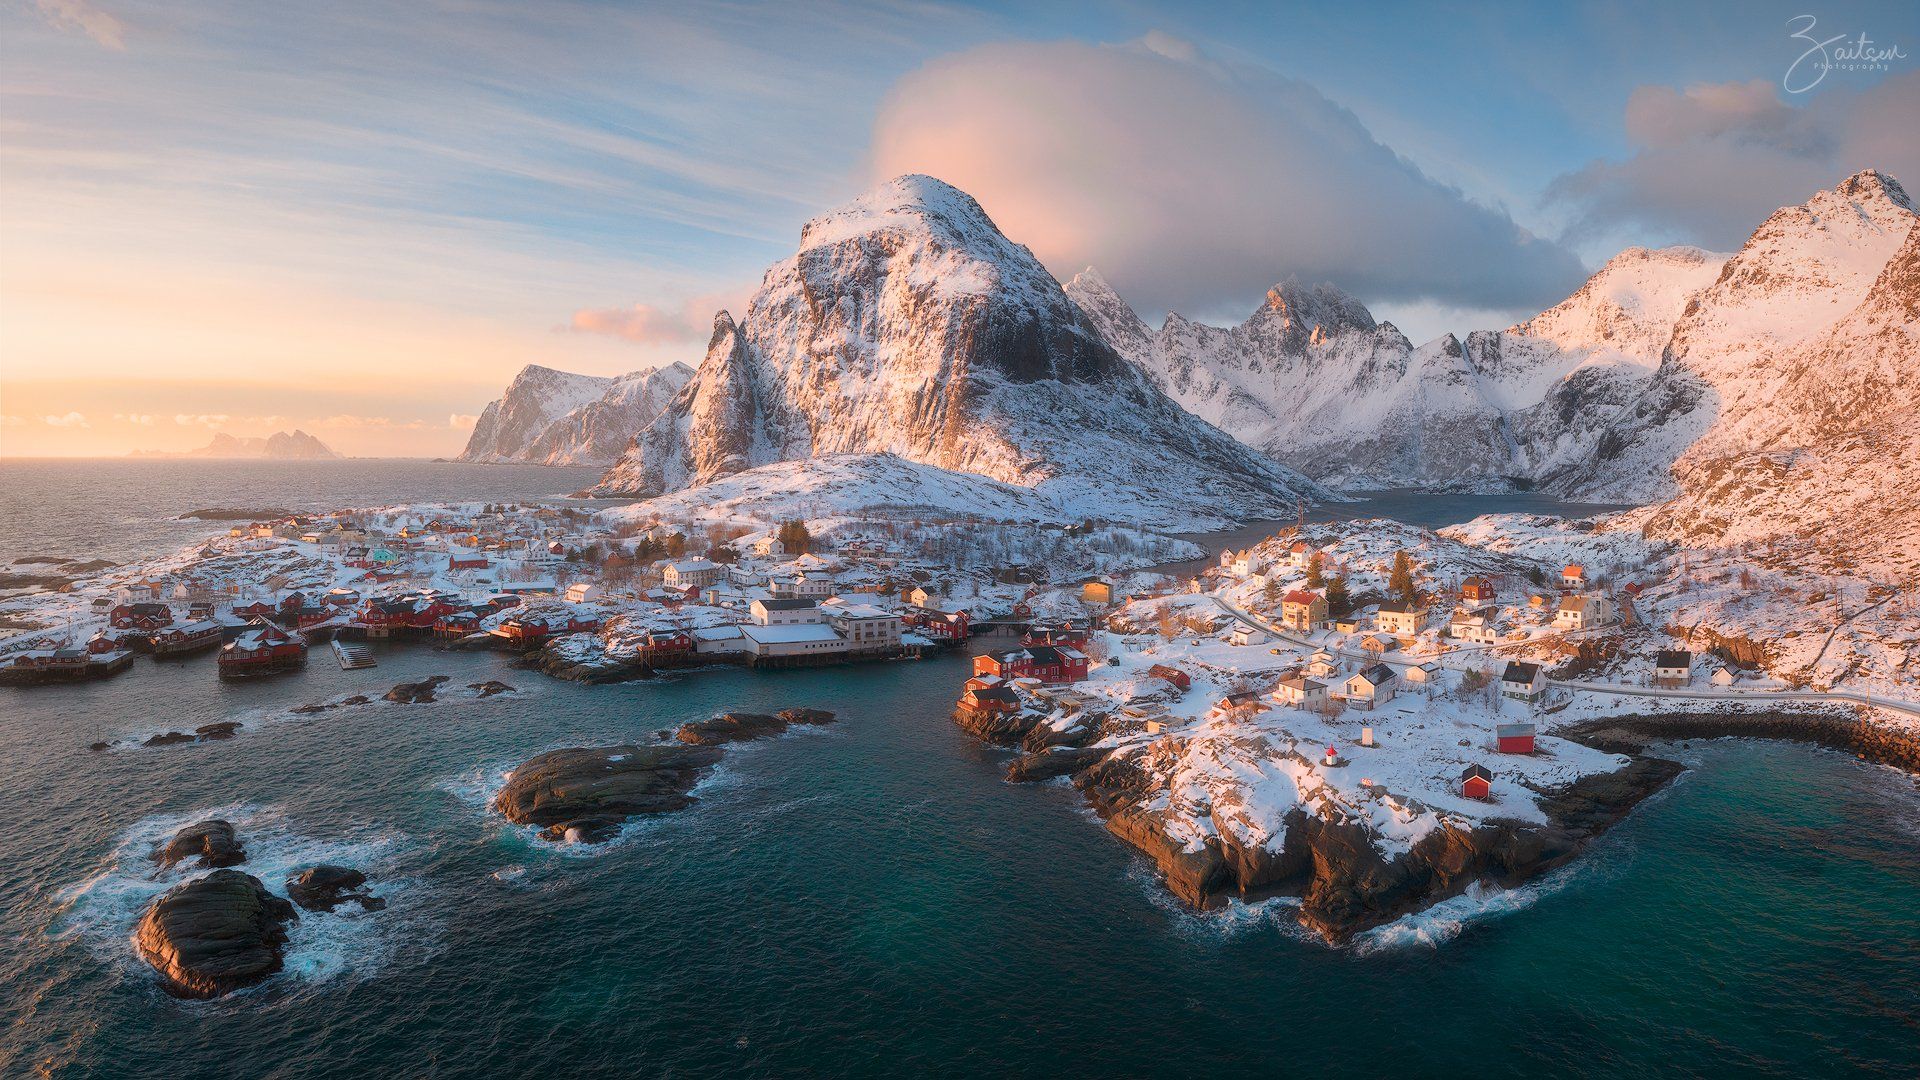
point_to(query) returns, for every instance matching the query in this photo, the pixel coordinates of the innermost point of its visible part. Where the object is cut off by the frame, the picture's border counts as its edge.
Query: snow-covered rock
(907, 324)
(559, 418)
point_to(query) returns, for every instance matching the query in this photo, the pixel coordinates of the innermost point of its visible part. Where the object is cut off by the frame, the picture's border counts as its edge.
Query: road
(1748, 697)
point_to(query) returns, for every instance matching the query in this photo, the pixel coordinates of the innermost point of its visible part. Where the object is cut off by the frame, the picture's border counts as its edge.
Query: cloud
(1191, 183)
(201, 419)
(462, 421)
(1712, 161)
(646, 324)
(87, 19)
(72, 419)
(142, 419)
(348, 420)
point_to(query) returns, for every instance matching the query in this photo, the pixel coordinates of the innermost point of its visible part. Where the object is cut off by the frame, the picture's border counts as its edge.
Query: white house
(581, 592)
(1300, 554)
(1246, 564)
(793, 639)
(1723, 676)
(1371, 686)
(1246, 634)
(1522, 681)
(1402, 620)
(1473, 628)
(1322, 665)
(1672, 668)
(1421, 674)
(863, 625)
(698, 573)
(1583, 612)
(769, 547)
(814, 586)
(1300, 692)
(785, 612)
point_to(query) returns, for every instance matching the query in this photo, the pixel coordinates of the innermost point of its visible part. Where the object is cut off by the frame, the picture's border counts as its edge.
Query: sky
(361, 219)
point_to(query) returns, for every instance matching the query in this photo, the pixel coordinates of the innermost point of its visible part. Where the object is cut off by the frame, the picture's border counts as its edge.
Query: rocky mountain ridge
(550, 417)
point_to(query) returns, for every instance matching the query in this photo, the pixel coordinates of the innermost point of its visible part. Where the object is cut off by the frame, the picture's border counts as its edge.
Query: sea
(871, 898)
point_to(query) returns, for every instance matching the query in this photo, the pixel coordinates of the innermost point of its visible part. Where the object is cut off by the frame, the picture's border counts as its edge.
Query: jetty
(353, 656)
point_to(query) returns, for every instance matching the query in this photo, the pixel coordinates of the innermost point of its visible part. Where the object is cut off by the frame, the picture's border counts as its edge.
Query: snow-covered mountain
(293, 445)
(907, 324)
(553, 417)
(1663, 360)
(1313, 381)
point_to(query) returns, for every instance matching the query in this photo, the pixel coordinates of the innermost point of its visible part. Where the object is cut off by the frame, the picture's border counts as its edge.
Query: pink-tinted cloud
(1188, 181)
(646, 324)
(1712, 161)
(72, 419)
(86, 18)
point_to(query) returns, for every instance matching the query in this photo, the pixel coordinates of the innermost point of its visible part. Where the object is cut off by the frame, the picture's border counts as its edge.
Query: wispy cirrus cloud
(86, 18)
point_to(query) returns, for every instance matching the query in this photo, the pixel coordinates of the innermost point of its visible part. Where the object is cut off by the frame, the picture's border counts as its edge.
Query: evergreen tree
(1272, 591)
(1316, 571)
(1401, 583)
(1338, 602)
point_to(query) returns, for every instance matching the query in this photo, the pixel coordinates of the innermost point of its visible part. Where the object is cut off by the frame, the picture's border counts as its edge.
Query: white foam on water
(103, 909)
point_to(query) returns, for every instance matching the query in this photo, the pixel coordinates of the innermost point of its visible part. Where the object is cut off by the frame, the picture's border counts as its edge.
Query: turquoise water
(871, 899)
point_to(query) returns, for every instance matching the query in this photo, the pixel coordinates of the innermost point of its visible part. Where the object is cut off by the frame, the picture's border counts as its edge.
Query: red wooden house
(1477, 590)
(1515, 738)
(941, 625)
(142, 616)
(1171, 674)
(1476, 782)
(467, 562)
(259, 609)
(1047, 663)
(1057, 636)
(989, 698)
(261, 649)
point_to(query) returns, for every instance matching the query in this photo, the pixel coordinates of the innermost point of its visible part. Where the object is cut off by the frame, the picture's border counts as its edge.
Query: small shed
(1672, 667)
(1476, 783)
(1515, 738)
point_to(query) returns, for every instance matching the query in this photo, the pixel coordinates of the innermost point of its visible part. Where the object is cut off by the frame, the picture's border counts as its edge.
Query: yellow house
(1097, 592)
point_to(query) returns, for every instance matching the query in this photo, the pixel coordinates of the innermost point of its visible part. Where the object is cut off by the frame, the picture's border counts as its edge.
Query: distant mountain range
(1748, 394)
(281, 445)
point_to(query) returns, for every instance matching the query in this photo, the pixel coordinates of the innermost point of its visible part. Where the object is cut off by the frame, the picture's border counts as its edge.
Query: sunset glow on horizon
(363, 221)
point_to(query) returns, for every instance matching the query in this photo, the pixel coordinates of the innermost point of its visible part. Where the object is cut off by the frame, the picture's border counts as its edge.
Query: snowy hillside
(907, 324)
(553, 417)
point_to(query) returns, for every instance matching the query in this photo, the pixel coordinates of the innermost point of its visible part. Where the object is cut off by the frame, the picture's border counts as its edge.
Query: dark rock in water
(323, 706)
(587, 830)
(222, 730)
(1051, 762)
(416, 693)
(96, 747)
(326, 886)
(212, 841)
(171, 738)
(214, 934)
(742, 727)
(490, 688)
(592, 785)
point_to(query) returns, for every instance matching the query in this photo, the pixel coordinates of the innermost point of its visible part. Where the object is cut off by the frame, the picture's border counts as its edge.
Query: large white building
(864, 626)
(698, 573)
(785, 612)
(793, 639)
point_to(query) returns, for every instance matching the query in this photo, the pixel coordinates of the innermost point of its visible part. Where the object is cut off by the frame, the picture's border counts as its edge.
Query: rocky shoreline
(1344, 884)
(1842, 730)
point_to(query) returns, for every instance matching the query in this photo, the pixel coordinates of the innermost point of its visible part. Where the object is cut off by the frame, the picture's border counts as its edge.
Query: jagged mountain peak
(552, 417)
(1871, 184)
(1321, 307)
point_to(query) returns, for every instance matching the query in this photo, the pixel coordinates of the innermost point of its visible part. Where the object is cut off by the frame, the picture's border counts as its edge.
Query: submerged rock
(170, 738)
(590, 790)
(213, 842)
(417, 693)
(221, 730)
(214, 935)
(326, 886)
(490, 687)
(742, 727)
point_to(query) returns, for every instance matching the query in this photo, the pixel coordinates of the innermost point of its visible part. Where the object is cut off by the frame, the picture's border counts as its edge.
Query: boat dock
(353, 656)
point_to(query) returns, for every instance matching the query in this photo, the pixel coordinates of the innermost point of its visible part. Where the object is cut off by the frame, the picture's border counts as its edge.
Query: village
(1363, 674)
(596, 599)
